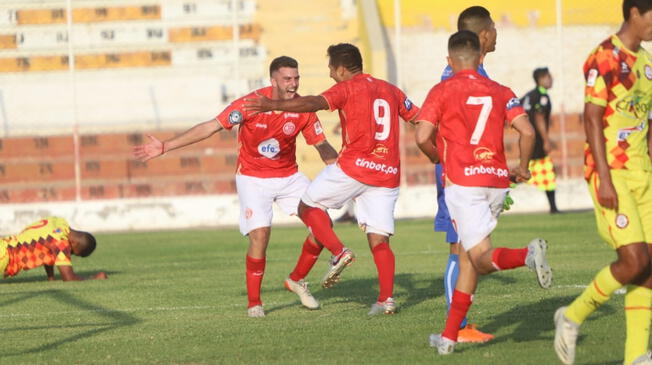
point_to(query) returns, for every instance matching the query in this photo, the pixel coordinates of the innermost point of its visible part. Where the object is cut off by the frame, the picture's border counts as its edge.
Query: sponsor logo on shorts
(291, 115)
(482, 170)
(380, 167)
(592, 77)
(318, 128)
(483, 154)
(235, 117)
(261, 125)
(269, 148)
(248, 213)
(622, 221)
(648, 72)
(289, 128)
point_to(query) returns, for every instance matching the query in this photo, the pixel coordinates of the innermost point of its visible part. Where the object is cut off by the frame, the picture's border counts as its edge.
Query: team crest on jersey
(591, 77)
(513, 103)
(483, 154)
(622, 221)
(408, 104)
(544, 101)
(318, 128)
(269, 148)
(235, 117)
(289, 128)
(648, 72)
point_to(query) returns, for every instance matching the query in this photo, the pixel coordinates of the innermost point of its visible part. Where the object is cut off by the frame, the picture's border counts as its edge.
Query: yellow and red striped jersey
(620, 80)
(44, 242)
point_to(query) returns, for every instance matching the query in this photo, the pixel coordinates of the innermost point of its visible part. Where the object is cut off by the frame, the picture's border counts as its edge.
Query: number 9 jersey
(469, 111)
(369, 109)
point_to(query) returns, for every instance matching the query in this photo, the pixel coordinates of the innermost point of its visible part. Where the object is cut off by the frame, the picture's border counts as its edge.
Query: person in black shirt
(538, 106)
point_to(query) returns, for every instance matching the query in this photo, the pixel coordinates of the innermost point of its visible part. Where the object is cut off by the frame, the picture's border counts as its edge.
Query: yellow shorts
(543, 174)
(632, 223)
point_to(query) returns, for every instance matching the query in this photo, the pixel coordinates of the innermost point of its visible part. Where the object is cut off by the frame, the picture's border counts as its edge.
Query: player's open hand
(258, 104)
(149, 150)
(607, 196)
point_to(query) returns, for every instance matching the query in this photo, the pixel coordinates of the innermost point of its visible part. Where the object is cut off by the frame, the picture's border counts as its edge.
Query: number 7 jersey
(369, 111)
(470, 112)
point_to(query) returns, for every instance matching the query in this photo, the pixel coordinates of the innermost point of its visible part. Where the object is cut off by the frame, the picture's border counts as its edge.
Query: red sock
(255, 272)
(309, 255)
(508, 258)
(319, 224)
(459, 307)
(385, 264)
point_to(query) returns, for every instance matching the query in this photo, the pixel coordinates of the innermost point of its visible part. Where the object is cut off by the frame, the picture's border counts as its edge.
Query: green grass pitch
(179, 298)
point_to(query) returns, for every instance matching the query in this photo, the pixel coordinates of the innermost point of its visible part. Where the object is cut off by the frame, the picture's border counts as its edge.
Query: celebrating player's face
(285, 81)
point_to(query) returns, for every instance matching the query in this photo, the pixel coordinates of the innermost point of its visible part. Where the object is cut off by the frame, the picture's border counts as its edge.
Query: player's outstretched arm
(425, 137)
(195, 134)
(525, 146)
(327, 153)
(67, 274)
(302, 104)
(593, 127)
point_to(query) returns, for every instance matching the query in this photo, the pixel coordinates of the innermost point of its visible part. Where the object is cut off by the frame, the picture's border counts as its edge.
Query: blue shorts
(443, 221)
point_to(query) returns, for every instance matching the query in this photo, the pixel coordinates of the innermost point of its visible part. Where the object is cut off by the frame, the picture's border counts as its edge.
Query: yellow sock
(638, 313)
(593, 296)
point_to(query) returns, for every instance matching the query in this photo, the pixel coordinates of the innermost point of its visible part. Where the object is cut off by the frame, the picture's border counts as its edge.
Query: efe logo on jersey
(269, 148)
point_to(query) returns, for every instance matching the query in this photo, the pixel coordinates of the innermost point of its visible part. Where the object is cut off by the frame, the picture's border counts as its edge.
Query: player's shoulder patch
(235, 117)
(318, 127)
(591, 77)
(513, 103)
(408, 104)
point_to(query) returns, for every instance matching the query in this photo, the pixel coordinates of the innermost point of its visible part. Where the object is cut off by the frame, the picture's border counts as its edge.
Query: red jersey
(470, 111)
(369, 109)
(268, 140)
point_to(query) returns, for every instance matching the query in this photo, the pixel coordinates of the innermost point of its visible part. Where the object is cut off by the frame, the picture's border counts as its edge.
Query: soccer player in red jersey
(49, 242)
(468, 112)
(266, 171)
(367, 168)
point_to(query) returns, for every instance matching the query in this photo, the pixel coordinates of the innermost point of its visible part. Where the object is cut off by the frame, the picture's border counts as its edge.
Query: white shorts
(257, 194)
(474, 211)
(374, 205)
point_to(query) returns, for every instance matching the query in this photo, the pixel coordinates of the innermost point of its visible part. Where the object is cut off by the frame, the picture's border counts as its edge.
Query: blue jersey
(442, 218)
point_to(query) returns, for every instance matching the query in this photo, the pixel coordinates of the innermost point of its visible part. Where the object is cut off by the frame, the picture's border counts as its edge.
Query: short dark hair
(283, 61)
(347, 55)
(643, 7)
(86, 243)
(464, 40)
(539, 73)
(475, 19)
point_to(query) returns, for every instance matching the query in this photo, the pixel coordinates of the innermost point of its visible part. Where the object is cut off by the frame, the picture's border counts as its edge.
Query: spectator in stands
(538, 106)
(48, 242)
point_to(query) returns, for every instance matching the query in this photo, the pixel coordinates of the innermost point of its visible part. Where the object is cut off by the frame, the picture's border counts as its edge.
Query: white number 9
(383, 120)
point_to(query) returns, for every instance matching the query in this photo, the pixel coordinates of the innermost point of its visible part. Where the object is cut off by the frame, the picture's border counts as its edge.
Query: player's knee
(636, 266)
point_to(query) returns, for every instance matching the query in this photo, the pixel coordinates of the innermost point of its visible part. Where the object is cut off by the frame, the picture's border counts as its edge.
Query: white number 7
(480, 125)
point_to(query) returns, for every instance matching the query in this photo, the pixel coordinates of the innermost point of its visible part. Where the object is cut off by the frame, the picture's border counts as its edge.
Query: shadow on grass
(114, 319)
(39, 279)
(533, 320)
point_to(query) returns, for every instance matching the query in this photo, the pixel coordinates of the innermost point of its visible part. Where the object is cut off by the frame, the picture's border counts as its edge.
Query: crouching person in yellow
(49, 242)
